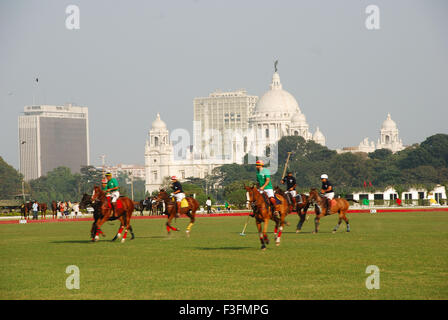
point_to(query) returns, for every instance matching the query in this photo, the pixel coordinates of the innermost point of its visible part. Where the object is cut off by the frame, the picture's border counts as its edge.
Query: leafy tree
(10, 180)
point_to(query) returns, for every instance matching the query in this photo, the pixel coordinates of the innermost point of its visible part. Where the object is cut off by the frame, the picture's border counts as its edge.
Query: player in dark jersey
(327, 189)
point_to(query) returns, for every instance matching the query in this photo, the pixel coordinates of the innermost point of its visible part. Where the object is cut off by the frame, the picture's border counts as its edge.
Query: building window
(156, 141)
(296, 133)
(182, 174)
(154, 175)
(268, 151)
(267, 133)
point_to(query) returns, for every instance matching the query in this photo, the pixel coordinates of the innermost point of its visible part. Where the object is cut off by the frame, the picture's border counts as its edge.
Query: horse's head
(85, 201)
(97, 194)
(314, 195)
(162, 195)
(251, 194)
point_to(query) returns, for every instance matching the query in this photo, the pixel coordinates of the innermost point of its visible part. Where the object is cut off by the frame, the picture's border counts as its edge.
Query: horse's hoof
(277, 244)
(119, 236)
(263, 248)
(334, 231)
(123, 240)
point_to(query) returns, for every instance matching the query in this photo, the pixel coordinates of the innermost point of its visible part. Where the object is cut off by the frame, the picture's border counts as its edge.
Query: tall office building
(53, 136)
(215, 118)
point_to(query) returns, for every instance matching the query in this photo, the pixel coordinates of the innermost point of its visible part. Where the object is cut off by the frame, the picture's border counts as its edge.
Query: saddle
(119, 204)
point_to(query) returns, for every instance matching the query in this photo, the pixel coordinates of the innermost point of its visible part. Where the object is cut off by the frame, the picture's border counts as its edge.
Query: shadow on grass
(223, 248)
(72, 241)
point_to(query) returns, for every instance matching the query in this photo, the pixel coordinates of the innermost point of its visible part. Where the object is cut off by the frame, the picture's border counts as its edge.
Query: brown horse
(123, 213)
(301, 208)
(171, 209)
(263, 213)
(43, 209)
(338, 205)
(54, 209)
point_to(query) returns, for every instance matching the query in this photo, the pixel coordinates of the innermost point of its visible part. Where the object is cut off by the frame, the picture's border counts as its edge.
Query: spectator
(208, 203)
(76, 209)
(35, 210)
(226, 204)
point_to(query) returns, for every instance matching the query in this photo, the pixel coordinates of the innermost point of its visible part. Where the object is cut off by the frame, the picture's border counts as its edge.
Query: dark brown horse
(123, 212)
(43, 209)
(171, 209)
(24, 211)
(338, 205)
(263, 213)
(54, 209)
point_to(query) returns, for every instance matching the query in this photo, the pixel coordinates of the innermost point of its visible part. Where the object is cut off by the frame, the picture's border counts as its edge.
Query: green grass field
(410, 249)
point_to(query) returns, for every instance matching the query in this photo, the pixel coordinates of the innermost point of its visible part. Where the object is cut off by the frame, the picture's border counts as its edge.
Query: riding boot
(273, 204)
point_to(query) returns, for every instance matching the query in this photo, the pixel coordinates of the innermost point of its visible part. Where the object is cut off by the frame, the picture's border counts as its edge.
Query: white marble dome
(277, 100)
(389, 124)
(298, 119)
(158, 123)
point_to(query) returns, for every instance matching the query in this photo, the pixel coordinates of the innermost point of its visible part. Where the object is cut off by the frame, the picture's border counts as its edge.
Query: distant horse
(156, 207)
(138, 206)
(263, 213)
(43, 209)
(337, 205)
(24, 211)
(54, 209)
(171, 209)
(124, 207)
(28, 209)
(301, 208)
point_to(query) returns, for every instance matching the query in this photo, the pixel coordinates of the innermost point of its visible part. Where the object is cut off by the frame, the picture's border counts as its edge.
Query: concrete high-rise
(53, 136)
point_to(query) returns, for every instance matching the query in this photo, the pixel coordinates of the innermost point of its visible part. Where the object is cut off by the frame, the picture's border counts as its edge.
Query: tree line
(421, 165)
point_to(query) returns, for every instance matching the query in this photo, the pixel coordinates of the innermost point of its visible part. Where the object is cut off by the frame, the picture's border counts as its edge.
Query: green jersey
(112, 183)
(261, 178)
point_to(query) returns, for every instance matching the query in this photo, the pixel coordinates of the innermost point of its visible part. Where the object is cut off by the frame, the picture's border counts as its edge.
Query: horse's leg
(344, 217)
(302, 216)
(263, 245)
(120, 230)
(280, 230)
(265, 230)
(168, 223)
(192, 219)
(339, 223)
(98, 225)
(126, 227)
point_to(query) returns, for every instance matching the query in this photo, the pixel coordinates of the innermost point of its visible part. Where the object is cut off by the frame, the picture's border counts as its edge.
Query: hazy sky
(132, 59)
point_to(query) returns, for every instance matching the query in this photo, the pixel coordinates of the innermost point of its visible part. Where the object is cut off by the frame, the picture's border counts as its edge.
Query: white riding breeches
(269, 192)
(179, 196)
(329, 195)
(115, 195)
(293, 193)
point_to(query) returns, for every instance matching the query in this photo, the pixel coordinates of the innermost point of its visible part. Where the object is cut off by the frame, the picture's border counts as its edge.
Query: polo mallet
(245, 226)
(286, 165)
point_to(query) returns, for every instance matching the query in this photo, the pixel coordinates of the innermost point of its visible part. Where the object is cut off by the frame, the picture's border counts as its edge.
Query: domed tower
(389, 136)
(271, 118)
(299, 126)
(158, 155)
(319, 137)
